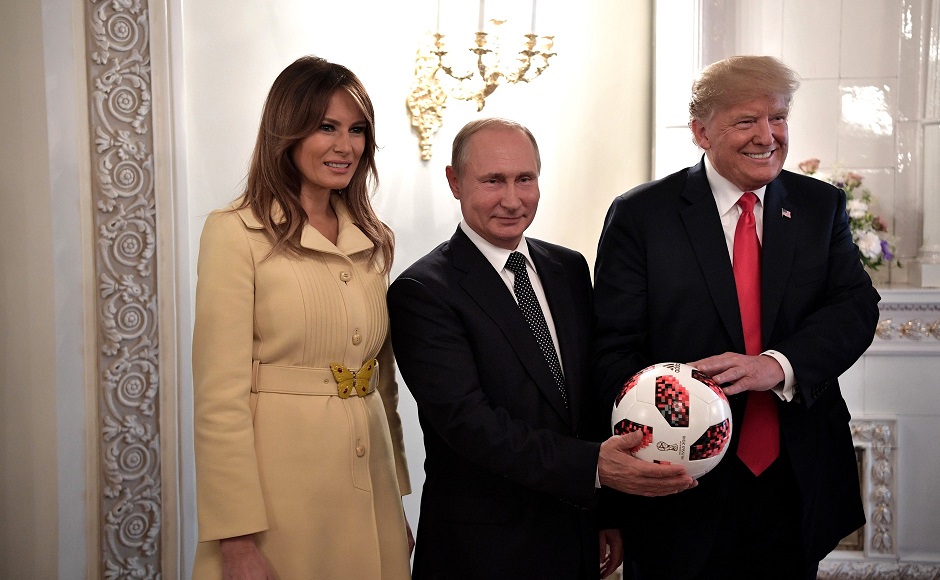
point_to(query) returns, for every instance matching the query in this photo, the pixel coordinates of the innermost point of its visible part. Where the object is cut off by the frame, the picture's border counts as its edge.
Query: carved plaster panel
(119, 84)
(879, 484)
(877, 558)
(909, 322)
(865, 570)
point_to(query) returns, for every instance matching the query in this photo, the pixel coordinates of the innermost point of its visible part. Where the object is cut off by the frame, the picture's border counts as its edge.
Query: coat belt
(293, 380)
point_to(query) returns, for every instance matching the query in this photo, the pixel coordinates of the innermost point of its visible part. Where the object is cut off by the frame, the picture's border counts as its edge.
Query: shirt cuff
(787, 388)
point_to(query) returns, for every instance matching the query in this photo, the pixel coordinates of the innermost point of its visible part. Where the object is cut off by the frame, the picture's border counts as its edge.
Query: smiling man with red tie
(749, 273)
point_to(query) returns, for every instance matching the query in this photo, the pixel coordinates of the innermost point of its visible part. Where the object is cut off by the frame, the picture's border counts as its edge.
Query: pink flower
(852, 179)
(809, 166)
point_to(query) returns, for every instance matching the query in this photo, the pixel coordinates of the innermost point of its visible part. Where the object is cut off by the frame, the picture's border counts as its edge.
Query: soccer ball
(683, 414)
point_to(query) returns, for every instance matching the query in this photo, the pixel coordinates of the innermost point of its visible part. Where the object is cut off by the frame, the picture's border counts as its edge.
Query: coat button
(345, 276)
(360, 450)
(356, 339)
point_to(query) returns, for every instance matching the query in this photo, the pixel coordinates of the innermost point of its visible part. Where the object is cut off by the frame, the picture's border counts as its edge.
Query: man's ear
(453, 181)
(698, 132)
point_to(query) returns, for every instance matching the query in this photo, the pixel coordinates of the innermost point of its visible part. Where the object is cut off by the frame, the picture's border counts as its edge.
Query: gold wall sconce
(437, 78)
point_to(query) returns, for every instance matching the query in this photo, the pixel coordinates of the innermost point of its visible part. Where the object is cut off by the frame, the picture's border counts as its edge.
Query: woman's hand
(242, 560)
(411, 537)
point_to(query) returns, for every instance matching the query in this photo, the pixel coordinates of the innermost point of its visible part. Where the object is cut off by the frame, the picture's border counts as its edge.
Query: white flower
(869, 244)
(856, 208)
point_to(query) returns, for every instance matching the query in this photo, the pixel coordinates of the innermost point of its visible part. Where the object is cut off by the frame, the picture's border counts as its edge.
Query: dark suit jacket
(509, 471)
(664, 291)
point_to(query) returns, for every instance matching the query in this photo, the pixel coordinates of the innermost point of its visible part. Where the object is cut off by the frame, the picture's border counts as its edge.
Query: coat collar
(777, 251)
(703, 224)
(484, 286)
(350, 241)
(562, 303)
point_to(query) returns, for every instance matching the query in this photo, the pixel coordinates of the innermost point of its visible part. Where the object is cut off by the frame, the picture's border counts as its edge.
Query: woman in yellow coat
(300, 464)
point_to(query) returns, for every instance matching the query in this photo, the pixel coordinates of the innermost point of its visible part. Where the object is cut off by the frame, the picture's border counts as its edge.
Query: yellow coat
(320, 477)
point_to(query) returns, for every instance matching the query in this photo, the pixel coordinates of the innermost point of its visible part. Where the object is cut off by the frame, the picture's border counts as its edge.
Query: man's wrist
(785, 389)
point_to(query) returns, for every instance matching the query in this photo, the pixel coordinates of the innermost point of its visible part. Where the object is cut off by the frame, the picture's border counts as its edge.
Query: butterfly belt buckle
(348, 380)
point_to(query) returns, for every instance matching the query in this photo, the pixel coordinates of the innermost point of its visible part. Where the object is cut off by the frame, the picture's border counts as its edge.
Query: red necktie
(759, 444)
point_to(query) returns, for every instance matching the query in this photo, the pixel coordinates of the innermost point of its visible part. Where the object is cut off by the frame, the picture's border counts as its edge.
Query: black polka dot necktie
(529, 305)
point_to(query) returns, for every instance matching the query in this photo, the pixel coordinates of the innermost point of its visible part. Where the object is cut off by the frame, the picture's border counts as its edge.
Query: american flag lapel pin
(785, 213)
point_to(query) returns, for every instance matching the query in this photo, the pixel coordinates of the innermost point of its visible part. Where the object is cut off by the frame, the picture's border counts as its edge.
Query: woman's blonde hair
(294, 108)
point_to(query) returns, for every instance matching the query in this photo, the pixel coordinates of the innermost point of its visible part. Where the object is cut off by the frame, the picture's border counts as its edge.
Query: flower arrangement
(869, 230)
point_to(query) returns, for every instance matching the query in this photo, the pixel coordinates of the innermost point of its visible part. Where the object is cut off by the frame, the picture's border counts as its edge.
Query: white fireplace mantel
(893, 394)
(909, 323)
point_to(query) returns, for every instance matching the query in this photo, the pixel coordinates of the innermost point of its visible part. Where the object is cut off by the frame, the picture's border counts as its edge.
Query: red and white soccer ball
(683, 414)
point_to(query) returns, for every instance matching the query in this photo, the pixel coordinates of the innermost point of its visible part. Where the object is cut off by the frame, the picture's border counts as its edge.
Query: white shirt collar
(726, 193)
(494, 254)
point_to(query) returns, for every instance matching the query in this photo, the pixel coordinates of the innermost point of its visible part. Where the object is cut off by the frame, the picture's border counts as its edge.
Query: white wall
(589, 112)
(28, 505)
(860, 103)
(42, 395)
(860, 107)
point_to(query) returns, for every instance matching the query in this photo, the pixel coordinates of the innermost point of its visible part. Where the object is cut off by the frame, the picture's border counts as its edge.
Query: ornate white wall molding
(909, 322)
(877, 571)
(129, 489)
(878, 558)
(879, 484)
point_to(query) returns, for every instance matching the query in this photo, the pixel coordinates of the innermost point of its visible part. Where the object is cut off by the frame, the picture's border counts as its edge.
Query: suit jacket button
(356, 339)
(345, 276)
(360, 450)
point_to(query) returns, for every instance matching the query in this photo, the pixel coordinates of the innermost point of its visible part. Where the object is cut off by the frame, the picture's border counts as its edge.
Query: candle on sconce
(515, 62)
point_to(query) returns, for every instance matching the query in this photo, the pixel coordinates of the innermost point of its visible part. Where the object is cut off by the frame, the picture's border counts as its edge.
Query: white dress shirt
(497, 257)
(726, 199)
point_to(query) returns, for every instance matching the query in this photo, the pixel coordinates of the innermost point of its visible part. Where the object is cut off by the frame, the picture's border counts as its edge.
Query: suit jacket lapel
(561, 303)
(487, 289)
(703, 225)
(777, 250)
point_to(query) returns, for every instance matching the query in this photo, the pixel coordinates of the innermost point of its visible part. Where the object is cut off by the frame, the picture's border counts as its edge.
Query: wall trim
(909, 322)
(168, 328)
(131, 401)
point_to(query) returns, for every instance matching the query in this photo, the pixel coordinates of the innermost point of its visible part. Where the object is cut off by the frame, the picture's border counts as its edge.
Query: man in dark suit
(492, 334)
(770, 300)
